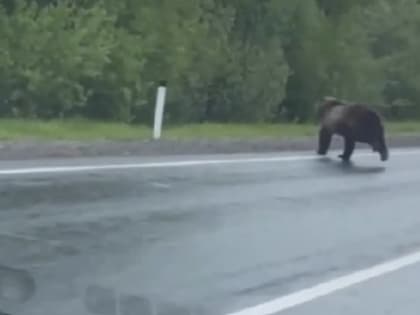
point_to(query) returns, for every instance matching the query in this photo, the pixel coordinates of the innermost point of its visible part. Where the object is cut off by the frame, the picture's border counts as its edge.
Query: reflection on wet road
(201, 240)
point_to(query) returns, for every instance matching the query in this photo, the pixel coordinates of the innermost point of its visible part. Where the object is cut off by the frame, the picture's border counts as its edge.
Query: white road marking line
(172, 164)
(307, 295)
(66, 169)
(161, 185)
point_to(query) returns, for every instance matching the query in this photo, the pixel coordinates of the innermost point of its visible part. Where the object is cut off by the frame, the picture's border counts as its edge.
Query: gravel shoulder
(69, 149)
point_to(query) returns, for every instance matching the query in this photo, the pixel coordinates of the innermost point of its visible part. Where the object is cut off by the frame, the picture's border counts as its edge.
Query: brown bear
(355, 123)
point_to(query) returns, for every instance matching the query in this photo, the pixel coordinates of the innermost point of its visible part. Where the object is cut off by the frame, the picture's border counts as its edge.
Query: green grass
(403, 127)
(88, 130)
(68, 130)
(240, 131)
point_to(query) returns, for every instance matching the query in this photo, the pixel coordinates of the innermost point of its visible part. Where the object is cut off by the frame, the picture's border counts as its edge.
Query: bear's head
(326, 105)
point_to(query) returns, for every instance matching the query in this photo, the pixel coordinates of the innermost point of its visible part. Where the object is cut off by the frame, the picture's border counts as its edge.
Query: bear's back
(358, 119)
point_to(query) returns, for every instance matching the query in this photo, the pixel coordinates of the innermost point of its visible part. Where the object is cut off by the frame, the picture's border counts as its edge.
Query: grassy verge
(68, 130)
(87, 130)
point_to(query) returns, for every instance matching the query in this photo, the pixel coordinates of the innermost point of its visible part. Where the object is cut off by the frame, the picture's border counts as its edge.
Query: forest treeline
(223, 60)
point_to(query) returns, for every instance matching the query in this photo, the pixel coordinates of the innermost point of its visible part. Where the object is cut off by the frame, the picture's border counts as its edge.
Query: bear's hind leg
(380, 147)
(324, 141)
(349, 146)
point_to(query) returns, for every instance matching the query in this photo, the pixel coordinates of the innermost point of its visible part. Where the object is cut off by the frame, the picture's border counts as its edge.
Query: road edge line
(327, 288)
(167, 164)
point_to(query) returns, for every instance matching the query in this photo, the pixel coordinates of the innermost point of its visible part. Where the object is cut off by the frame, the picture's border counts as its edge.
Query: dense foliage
(224, 60)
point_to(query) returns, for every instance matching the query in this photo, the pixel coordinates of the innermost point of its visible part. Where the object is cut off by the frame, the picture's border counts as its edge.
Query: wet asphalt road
(209, 239)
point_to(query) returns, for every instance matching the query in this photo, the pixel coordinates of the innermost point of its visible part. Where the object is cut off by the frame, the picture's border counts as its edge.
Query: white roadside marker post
(159, 110)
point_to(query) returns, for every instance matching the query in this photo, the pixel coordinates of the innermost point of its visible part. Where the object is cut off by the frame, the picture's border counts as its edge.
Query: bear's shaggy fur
(355, 123)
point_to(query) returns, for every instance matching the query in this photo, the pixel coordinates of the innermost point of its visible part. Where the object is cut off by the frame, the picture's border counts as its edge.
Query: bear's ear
(328, 99)
(325, 101)
(331, 101)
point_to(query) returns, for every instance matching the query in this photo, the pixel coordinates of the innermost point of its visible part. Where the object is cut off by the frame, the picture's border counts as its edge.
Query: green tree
(236, 60)
(393, 27)
(46, 53)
